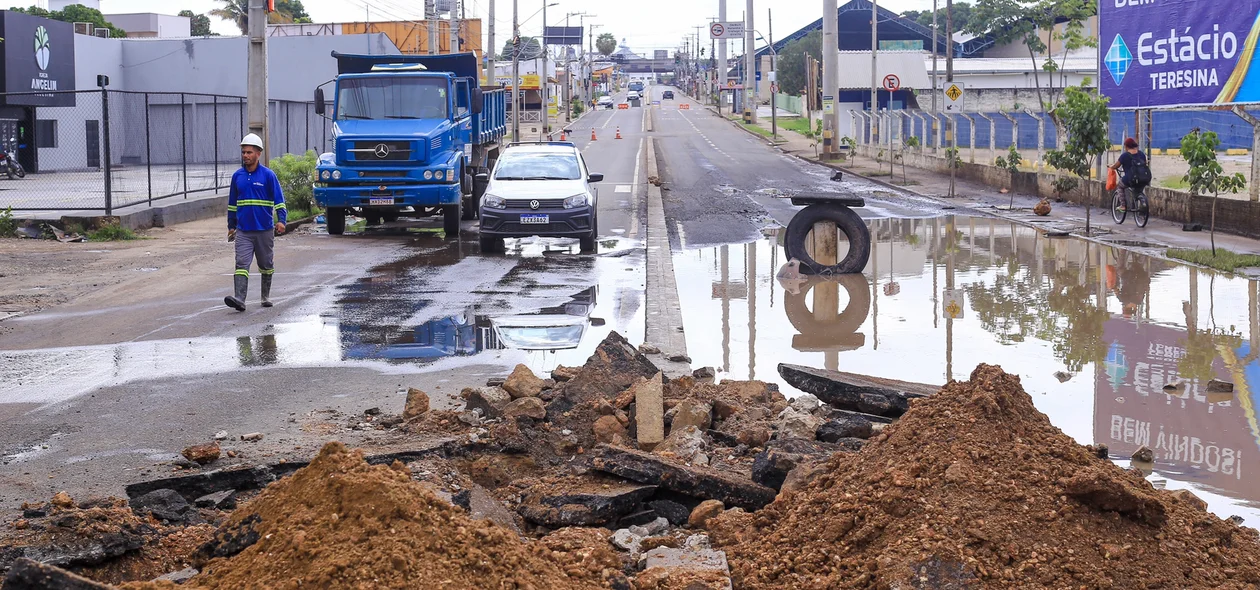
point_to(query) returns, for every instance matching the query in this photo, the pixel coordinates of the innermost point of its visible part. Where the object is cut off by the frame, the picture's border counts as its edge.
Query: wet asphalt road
(106, 391)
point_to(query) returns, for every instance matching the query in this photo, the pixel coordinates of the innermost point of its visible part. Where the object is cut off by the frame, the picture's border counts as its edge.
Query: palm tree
(235, 12)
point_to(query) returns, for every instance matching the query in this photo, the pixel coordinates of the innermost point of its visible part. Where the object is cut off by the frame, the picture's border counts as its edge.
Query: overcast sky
(644, 24)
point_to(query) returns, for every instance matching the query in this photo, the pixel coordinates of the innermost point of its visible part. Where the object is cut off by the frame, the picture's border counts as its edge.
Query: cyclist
(1136, 172)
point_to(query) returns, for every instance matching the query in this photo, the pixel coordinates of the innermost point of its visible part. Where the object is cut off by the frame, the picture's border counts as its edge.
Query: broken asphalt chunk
(771, 466)
(167, 505)
(584, 501)
(847, 391)
(33, 575)
(195, 486)
(699, 481)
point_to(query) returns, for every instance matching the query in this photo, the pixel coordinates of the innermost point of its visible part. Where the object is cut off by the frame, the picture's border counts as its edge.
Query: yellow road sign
(953, 92)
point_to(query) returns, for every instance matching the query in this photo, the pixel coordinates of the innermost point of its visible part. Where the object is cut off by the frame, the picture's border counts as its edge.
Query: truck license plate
(381, 201)
(535, 219)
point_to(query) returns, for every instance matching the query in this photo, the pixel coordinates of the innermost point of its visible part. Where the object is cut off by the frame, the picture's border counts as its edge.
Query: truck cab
(408, 132)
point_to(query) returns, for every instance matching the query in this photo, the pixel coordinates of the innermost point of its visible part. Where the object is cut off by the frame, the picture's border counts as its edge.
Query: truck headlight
(428, 175)
(493, 202)
(325, 175)
(576, 201)
(336, 175)
(439, 175)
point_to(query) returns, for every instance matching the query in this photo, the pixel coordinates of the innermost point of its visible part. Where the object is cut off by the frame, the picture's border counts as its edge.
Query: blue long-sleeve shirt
(255, 200)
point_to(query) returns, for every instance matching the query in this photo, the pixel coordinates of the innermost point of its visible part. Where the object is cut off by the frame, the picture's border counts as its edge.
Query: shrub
(297, 179)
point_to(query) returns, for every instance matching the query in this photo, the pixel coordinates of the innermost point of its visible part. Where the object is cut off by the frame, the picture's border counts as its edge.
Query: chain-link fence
(115, 149)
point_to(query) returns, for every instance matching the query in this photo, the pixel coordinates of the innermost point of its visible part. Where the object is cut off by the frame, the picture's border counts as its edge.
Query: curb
(156, 216)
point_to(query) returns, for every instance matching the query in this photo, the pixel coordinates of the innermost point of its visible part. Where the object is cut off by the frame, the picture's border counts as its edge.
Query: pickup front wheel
(451, 215)
(336, 217)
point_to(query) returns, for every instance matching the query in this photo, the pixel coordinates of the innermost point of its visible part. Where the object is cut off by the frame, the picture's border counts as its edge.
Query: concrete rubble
(613, 464)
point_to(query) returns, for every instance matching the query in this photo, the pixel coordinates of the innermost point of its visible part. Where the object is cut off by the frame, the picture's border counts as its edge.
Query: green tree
(606, 43)
(961, 12)
(200, 24)
(1206, 176)
(531, 48)
(1011, 164)
(1084, 116)
(76, 13)
(1025, 23)
(237, 13)
(791, 65)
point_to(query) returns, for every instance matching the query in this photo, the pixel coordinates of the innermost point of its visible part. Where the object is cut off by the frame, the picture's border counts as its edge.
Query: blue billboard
(1178, 52)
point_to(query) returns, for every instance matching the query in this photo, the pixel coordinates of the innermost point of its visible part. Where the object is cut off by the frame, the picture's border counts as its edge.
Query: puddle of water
(441, 307)
(1121, 323)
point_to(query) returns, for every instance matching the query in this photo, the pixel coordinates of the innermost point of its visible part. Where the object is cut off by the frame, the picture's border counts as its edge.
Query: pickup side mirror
(595, 178)
(477, 101)
(319, 101)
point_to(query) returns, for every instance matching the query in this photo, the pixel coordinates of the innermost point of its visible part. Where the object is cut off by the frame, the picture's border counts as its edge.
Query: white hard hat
(254, 140)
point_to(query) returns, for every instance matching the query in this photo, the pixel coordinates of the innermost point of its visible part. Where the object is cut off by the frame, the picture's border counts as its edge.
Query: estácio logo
(41, 48)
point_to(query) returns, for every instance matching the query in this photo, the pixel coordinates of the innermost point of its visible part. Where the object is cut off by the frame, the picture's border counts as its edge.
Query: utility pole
(454, 26)
(949, 79)
(491, 76)
(431, 19)
(257, 66)
(874, 85)
(545, 113)
(723, 65)
(516, 73)
(773, 75)
(934, 84)
(750, 68)
(696, 59)
(831, 78)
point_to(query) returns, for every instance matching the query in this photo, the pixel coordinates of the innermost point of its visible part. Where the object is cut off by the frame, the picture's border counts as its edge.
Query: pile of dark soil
(341, 523)
(975, 488)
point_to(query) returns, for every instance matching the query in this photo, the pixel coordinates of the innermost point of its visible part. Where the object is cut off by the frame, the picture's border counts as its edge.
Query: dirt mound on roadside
(975, 488)
(341, 523)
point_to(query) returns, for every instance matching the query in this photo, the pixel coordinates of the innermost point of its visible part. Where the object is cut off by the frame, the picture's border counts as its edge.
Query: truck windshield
(538, 167)
(392, 97)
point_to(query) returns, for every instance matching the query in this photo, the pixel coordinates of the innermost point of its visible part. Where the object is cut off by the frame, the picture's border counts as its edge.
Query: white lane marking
(638, 162)
(624, 188)
(705, 137)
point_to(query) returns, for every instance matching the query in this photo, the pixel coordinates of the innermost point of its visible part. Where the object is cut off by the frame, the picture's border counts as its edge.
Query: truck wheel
(470, 207)
(451, 215)
(336, 217)
(390, 217)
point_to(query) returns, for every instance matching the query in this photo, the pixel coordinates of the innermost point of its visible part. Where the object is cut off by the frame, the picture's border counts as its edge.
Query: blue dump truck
(410, 132)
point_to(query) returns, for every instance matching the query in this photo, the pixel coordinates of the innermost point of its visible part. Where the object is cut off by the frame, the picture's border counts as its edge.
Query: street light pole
(831, 78)
(874, 86)
(544, 111)
(773, 75)
(256, 92)
(750, 69)
(491, 75)
(516, 73)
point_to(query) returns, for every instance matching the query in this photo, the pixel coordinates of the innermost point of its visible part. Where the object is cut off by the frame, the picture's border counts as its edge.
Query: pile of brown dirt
(975, 488)
(341, 523)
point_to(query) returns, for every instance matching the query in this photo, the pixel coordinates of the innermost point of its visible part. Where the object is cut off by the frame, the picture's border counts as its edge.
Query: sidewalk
(979, 198)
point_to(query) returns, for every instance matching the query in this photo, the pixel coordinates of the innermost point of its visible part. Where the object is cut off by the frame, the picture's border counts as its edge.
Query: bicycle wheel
(1141, 211)
(1117, 206)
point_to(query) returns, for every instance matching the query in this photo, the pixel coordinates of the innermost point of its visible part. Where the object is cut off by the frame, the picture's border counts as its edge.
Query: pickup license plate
(381, 201)
(535, 219)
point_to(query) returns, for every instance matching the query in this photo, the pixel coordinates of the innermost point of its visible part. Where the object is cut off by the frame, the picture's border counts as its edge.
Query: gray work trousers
(255, 244)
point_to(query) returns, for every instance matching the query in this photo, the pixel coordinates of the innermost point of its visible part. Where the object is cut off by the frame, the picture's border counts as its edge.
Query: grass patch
(1175, 183)
(1223, 260)
(759, 130)
(8, 224)
(303, 213)
(112, 232)
(799, 125)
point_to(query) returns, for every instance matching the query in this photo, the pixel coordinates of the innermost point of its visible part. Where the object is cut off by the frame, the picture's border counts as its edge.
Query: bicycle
(1141, 207)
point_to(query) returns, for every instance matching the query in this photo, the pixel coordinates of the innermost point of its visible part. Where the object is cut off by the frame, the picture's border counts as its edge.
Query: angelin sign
(38, 56)
(1179, 52)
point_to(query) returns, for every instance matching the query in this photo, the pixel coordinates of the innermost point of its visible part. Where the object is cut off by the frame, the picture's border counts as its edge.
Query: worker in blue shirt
(256, 214)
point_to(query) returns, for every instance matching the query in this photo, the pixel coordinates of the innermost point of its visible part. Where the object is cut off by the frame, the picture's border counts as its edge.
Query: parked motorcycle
(9, 164)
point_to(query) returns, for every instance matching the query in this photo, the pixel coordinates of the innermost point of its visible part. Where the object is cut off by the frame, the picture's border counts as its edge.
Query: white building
(149, 25)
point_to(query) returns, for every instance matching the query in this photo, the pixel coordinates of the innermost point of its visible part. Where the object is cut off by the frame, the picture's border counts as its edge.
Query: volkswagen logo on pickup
(533, 204)
(381, 150)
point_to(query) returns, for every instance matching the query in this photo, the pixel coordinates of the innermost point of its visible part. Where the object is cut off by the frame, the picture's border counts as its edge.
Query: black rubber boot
(266, 290)
(237, 301)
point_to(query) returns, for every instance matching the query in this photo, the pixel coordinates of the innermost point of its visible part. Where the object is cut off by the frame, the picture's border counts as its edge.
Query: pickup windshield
(538, 167)
(392, 97)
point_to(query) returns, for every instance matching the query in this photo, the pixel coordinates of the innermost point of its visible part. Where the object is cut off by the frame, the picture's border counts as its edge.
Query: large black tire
(451, 216)
(466, 192)
(490, 244)
(336, 217)
(847, 220)
(590, 243)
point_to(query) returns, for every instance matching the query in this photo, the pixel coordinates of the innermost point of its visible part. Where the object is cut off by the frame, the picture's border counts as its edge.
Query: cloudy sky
(644, 24)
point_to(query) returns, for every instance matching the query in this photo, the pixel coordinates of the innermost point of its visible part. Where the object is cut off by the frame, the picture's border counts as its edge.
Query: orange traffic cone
(593, 134)
(562, 136)
(618, 133)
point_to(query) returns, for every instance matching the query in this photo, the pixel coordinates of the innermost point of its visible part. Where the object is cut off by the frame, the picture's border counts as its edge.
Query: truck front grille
(381, 151)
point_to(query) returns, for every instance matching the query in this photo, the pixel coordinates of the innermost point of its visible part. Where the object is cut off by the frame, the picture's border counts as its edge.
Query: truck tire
(390, 217)
(490, 244)
(336, 217)
(451, 216)
(847, 221)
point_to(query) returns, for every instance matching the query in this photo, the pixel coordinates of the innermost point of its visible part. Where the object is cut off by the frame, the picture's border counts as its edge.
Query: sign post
(954, 97)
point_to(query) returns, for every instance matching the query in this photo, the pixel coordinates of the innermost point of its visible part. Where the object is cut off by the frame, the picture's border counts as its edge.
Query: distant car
(667, 95)
(540, 190)
(605, 101)
(632, 95)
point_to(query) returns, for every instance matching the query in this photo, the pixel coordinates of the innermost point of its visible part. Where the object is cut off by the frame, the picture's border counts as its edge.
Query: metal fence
(117, 149)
